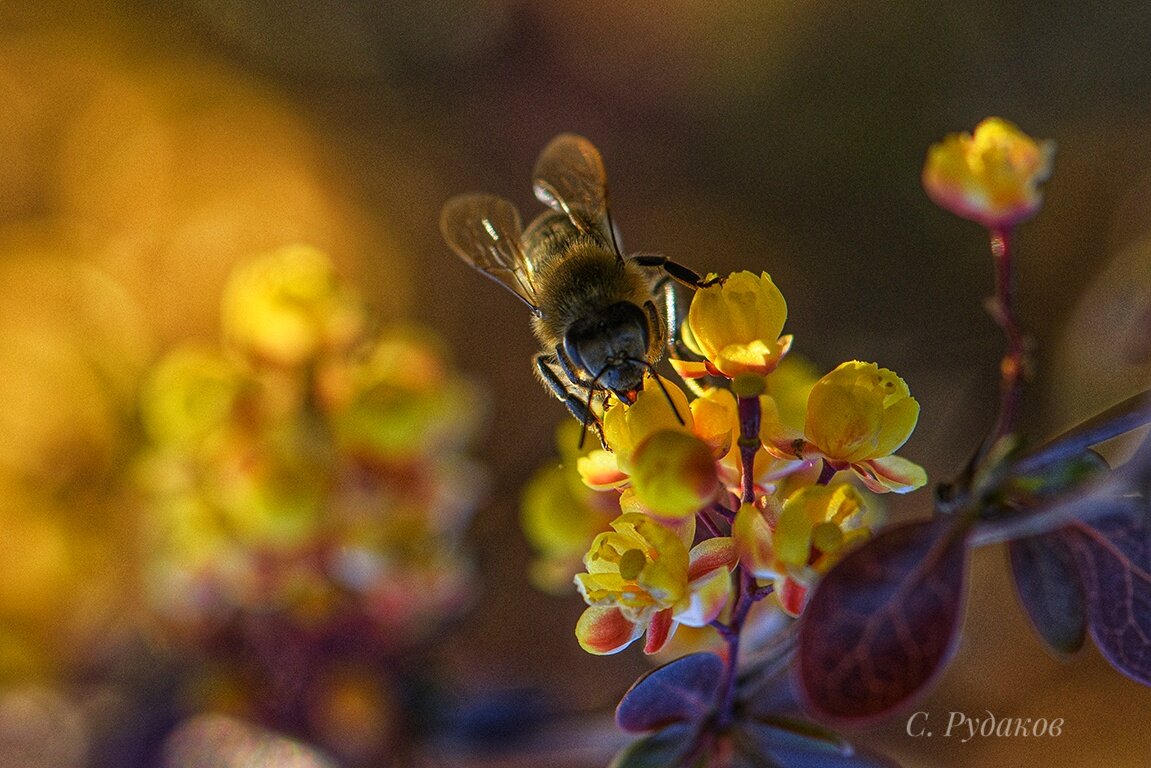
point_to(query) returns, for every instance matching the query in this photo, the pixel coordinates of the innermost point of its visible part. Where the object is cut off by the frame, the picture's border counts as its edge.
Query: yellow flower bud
(626, 426)
(674, 474)
(992, 176)
(860, 412)
(736, 325)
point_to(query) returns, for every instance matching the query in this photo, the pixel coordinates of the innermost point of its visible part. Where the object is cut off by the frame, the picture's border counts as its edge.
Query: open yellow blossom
(992, 176)
(857, 417)
(735, 326)
(641, 577)
(794, 543)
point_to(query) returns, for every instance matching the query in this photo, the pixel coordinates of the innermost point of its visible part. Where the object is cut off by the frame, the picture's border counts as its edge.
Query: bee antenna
(662, 388)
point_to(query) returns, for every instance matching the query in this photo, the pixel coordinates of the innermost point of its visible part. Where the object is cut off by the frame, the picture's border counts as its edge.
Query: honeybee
(594, 310)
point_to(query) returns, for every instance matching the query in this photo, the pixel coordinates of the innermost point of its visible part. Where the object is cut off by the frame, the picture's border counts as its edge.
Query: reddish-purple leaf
(882, 623)
(1113, 554)
(1048, 585)
(681, 691)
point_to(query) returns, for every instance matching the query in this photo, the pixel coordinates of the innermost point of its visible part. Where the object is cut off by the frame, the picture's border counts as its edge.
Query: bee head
(611, 346)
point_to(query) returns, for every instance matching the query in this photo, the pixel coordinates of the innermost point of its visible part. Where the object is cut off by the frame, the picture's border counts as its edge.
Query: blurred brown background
(146, 147)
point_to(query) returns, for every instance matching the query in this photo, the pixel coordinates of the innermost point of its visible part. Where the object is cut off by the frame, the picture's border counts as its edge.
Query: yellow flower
(625, 426)
(794, 543)
(674, 474)
(735, 326)
(857, 416)
(401, 401)
(641, 577)
(814, 525)
(992, 176)
(289, 306)
(191, 394)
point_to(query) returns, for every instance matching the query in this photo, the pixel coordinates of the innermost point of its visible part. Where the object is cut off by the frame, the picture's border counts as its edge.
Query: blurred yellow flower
(992, 176)
(401, 402)
(735, 326)
(289, 306)
(190, 394)
(857, 416)
(641, 577)
(560, 514)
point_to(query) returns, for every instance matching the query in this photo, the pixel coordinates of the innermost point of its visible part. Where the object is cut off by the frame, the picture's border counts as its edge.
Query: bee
(603, 319)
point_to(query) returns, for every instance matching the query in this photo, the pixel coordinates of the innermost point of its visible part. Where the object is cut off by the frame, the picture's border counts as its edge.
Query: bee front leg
(554, 375)
(675, 270)
(665, 287)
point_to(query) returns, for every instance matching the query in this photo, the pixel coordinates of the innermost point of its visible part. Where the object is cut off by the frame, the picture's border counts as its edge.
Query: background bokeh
(146, 148)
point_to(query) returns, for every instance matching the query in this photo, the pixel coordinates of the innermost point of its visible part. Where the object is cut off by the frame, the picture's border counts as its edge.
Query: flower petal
(891, 473)
(705, 599)
(600, 470)
(659, 631)
(604, 630)
(710, 554)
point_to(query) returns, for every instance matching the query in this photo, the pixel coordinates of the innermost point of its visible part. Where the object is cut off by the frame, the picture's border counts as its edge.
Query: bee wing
(569, 178)
(485, 231)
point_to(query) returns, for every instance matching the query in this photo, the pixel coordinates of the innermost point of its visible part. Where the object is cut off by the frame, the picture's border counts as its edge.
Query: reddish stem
(750, 414)
(746, 592)
(1013, 367)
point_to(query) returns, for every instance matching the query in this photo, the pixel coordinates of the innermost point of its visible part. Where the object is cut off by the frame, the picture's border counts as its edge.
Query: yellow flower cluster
(306, 469)
(676, 466)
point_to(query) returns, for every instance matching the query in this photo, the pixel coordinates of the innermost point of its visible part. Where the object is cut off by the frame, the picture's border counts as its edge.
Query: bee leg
(665, 286)
(662, 335)
(675, 270)
(569, 368)
(554, 375)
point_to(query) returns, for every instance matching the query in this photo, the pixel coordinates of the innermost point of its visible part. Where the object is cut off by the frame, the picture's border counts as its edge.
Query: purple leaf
(1048, 585)
(1113, 554)
(882, 622)
(682, 691)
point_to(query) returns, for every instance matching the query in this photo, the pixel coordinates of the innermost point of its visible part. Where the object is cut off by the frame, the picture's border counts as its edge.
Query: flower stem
(750, 414)
(1013, 368)
(826, 472)
(746, 592)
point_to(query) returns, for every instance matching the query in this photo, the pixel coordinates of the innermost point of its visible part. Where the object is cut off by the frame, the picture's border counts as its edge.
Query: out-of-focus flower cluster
(307, 483)
(686, 514)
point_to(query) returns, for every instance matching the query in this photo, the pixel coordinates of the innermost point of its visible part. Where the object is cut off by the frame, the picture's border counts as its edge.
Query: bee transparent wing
(485, 231)
(569, 177)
